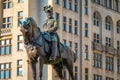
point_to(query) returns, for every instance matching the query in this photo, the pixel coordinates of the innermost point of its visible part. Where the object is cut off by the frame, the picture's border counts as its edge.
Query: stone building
(101, 37)
(90, 27)
(13, 57)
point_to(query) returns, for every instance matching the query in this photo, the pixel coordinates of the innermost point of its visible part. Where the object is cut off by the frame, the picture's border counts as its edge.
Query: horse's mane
(31, 21)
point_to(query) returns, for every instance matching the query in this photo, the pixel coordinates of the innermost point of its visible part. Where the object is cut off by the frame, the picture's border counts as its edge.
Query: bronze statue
(51, 27)
(38, 43)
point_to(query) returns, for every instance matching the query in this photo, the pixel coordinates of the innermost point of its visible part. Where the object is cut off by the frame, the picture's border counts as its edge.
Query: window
(105, 3)
(64, 3)
(85, 7)
(20, 39)
(116, 5)
(75, 27)
(86, 30)
(118, 65)
(96, 38)
(20, 1)
(108, 23)
(118, 27)
(76, 73)
(5, 47)
(97, 60)
(20, 17)
(7, 22)
(70, 26)
(109, 63)
(96, 19)
(57, 17)
(7, 4)
(110, 4)
(64, 23)
(108, 42)
(76, 48)
(76, 5)
(97, 77)
(5, 71)
(76, 45)
(57, 1)
(70, 43)
(118, 45)
(108, 78)
(98, 1)
(86, 52)
(86, 74)
(19, 67)
(70, 5)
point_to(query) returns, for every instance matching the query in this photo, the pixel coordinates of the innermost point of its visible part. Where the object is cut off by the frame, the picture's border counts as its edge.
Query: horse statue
(37, 45)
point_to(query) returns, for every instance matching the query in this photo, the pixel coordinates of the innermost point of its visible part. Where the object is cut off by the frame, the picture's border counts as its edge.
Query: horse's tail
(75, 56)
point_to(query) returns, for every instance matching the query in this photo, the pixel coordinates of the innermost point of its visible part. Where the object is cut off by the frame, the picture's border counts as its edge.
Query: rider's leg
(54, 50)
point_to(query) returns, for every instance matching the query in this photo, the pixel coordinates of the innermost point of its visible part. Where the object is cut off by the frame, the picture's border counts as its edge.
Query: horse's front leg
(33, 67)
(41, 62)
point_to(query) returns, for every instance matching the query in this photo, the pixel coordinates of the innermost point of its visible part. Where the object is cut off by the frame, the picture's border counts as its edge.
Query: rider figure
(51, 27)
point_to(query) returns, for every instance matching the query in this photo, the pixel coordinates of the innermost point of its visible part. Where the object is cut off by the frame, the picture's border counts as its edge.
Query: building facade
(101, 39)
(91, 28)
(13, 57)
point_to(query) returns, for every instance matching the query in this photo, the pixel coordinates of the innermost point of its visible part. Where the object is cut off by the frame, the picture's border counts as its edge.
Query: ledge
(110, 50)
(98, 46)
(5, 31)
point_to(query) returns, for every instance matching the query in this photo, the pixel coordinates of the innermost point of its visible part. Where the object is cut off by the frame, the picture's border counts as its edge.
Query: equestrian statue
(46, 47)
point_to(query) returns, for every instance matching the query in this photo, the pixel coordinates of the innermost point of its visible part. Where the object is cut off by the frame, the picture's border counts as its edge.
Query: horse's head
(29, 29)
(28, 24)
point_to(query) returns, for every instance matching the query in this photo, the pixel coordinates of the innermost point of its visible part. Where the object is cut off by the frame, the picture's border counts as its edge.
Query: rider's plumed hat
(48, 8)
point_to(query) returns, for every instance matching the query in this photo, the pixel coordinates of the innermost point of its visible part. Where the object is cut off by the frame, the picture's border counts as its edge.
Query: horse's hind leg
(58, 68)
(69, 65)
(41, 61)
(33, 67)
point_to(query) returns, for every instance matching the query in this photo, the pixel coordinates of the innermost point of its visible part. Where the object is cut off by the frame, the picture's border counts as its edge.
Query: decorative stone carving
(5, 31)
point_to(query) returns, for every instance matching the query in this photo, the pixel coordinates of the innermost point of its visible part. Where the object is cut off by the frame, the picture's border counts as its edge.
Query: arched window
(96, 19)
(118, 27)
(109, 23)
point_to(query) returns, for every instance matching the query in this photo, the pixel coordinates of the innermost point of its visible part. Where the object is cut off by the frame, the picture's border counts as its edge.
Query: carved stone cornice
(5, 31)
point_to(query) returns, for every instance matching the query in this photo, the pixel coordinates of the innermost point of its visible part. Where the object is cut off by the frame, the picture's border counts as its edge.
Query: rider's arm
(55, 26)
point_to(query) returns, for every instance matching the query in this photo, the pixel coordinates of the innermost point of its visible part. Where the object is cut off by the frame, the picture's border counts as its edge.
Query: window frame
(64, 23)
(4, 69)
(109, 63)
(19, 66)
(5, 46)
(19, 42)
(7, 4)
(6, 22)
(85, 29)
(97, 60)
(20, 17)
